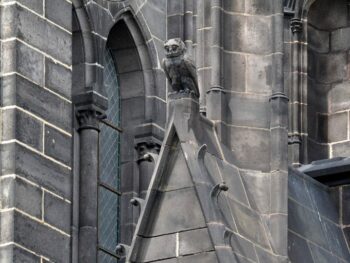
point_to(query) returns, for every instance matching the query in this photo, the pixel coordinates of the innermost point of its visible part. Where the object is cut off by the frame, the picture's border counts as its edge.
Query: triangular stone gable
(175, 222)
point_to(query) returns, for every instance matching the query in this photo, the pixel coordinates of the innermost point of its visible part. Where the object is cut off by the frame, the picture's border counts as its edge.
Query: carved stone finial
(179, 68)
(296, 25)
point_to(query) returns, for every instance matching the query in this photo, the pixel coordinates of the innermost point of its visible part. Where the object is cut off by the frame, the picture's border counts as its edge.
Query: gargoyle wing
(193, 72)
(165, 70)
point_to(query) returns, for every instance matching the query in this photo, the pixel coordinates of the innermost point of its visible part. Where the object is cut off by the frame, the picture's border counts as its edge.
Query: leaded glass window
(109, 164)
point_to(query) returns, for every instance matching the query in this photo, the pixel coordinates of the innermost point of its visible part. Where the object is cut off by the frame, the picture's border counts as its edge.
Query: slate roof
(199, 206)
(315, 234)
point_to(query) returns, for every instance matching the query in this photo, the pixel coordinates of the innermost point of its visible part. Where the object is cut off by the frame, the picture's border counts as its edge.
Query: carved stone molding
(279, 95)
(294, 139)
(296, 25)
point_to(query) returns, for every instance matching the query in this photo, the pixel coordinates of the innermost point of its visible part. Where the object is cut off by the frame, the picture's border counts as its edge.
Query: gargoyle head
(174, 47)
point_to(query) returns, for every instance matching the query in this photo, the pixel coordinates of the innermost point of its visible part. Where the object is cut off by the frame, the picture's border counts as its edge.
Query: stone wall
(36, 131)
(328, 75)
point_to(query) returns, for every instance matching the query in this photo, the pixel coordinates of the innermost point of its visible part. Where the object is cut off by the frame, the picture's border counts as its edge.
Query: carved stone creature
(179, 68)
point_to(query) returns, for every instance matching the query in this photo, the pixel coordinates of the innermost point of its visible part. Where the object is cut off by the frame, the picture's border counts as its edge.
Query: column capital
(89, 119)
(296, 25)
(90, 108)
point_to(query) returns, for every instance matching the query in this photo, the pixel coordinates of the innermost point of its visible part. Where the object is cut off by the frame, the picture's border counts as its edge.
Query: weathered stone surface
(243, 247)
(177, 217)
(298, 249)
(234, 71)
(338, 127)
(346, 209)
(249, 224)
(58, 78)
(246, 142)
(59, 13)
(340, 39)
(209, 257)
(57, 42)
(155, 11)
(150, 250)
(34, 236)
(195, 241)
(327, 14)
(327, 68)
(21, 161)
(21, 126)
(14, 254)
(58, 145)
(37, 100)
(256, 40)
(57, 212)
(177, 173)
(17, 193)
(255, 185)
(340, 149)
(311, 228)
(337, 97)
(248, 110)
(319, 40)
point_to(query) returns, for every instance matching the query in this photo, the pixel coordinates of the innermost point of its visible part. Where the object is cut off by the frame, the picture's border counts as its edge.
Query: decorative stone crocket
(179, 68)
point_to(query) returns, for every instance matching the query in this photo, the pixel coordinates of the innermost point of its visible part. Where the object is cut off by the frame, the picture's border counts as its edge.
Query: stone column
(294, 137)
(88, 217)
(278, 218)
(147, 157)
(188, 25)
(215, 101)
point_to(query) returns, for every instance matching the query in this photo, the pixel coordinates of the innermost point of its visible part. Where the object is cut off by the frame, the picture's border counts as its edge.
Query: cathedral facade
(107, 156)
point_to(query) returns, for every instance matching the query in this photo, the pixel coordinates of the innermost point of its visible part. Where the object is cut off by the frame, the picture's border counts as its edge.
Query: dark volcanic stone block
(22, 127)
(21, 161)
(59, 12)
(58, 145)
(47, 37)
(150, 250)
(14, 254)
(58, 78)
(57, 212)
(195, 241)
(38, 101)
(35, 236)
(209, 257)
(16, 193)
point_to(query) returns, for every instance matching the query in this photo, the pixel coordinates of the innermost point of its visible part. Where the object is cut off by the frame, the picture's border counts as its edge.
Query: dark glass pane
(109, 163)
(109, 138)
(108, 221)
(105, 258)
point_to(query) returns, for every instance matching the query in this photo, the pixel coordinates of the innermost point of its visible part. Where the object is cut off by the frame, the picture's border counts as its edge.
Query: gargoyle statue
(179, 68)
